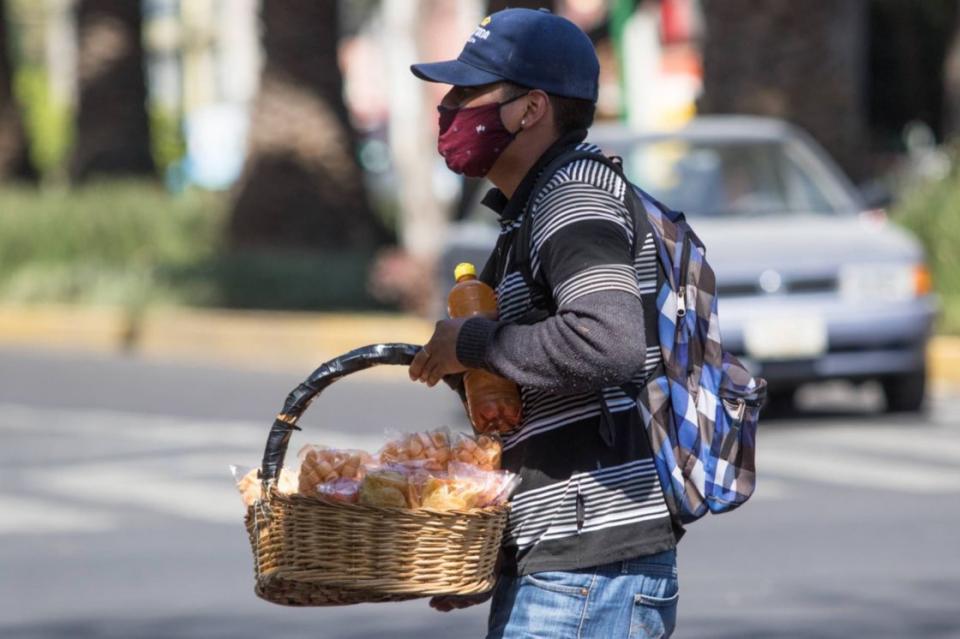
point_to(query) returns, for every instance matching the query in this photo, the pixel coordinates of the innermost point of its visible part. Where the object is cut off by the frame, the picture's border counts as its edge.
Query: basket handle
(300, 397)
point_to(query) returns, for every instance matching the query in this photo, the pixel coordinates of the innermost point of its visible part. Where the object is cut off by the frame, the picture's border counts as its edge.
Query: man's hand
(438, 357)
(446, 603)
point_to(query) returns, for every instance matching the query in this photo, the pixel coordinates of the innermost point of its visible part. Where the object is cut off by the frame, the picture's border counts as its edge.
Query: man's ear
(538, 108)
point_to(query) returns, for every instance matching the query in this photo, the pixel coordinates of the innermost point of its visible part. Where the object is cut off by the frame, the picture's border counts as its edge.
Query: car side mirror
(876, 195)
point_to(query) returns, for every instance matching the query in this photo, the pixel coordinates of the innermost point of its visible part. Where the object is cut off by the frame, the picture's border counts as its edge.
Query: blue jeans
(635, 599)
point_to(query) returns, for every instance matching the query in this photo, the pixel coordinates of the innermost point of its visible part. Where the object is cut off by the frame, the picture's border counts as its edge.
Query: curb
(943, 360)
(271, 340)
(259, 340)
(263, 340)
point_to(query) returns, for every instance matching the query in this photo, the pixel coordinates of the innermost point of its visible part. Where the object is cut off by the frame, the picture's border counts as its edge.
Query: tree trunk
(301, 185)
(15, 161)
(499, 5)
(112, 128)
(910, 75)
(805, 65)
(951, 85)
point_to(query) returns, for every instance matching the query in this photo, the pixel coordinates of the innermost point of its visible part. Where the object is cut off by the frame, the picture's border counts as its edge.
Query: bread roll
(386, 488)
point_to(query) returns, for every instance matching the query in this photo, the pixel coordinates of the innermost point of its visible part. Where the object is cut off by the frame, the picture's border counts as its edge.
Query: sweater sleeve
(592, 342)
(581, 248)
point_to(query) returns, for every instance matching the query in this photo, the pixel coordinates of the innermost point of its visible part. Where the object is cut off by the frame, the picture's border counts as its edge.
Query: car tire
(779, 402)
(905, 393)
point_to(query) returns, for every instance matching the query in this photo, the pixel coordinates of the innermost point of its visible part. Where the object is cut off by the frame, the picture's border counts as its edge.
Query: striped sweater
(581, 502)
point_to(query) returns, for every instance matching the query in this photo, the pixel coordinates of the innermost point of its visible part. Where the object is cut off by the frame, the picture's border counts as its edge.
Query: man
(589, 549)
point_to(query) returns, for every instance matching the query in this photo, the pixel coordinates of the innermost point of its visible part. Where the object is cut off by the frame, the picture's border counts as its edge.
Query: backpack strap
(522, 250)
(522, 238)
(488, 274)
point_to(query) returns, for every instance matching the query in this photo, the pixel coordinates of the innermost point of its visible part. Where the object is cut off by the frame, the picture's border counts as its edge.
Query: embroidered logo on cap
(480, 33)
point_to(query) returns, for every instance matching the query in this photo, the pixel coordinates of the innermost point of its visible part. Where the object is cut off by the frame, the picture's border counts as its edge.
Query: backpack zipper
(741, 411)
(682, 292)
(684, 267)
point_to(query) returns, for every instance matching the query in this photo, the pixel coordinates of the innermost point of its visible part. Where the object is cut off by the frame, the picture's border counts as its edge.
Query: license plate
(794, 337)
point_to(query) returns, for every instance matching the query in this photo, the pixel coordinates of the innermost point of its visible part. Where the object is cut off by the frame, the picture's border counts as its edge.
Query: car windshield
(739, 178)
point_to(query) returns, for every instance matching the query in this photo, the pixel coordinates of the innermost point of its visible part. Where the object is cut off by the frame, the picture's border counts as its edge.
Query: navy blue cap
(532, 48)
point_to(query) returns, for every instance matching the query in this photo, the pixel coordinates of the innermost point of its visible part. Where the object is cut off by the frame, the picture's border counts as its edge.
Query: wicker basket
(312, 552)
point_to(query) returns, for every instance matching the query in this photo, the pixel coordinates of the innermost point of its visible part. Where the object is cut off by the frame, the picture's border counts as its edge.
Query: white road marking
(178, 466)
(175, 432)
(33, 515)
(178, 477)
(941, 445)
(769, 489)
(852, 470)
(122, 484)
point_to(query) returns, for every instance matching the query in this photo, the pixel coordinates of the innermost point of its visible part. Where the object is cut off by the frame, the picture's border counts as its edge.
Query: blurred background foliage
(48, 124)
(108, 242)
(277, 154)
(931, 209)
(131, 243)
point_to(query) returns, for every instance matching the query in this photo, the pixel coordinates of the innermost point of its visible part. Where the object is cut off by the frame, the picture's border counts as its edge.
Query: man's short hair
(572, 114)
(569, 114)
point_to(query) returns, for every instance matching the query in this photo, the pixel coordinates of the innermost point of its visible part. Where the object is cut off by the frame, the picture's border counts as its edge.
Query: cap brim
(454, 72)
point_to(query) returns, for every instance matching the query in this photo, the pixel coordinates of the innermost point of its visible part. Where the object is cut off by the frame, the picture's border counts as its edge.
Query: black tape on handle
(301, 396)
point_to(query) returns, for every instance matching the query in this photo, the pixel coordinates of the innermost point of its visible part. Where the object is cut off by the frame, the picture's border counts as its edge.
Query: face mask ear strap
(523, 122)
(516, 97)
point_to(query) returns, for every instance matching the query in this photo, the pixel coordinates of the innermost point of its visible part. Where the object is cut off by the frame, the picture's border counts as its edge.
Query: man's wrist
(473, 341)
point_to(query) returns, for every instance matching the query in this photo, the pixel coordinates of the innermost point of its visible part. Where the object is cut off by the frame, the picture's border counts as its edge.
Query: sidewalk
(263, 340)
(296, 342)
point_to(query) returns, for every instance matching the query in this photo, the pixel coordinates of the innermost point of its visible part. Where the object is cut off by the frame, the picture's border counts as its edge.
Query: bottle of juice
(493, 402)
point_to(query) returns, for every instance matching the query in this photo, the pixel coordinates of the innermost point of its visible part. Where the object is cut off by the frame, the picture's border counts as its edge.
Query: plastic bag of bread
(488, 487)
(462, 487)
(342, 490)
(431, 447)
(449, 493)
(386, 486)
(248, 483)
(321, 465)
(482, 451)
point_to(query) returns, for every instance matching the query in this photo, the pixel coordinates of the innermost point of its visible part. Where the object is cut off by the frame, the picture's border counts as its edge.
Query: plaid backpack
(700, 406)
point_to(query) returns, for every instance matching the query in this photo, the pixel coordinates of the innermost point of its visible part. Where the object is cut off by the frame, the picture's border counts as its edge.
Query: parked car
(813, 284)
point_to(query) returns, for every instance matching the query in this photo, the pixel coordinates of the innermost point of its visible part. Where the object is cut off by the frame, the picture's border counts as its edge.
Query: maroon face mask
(471, 139)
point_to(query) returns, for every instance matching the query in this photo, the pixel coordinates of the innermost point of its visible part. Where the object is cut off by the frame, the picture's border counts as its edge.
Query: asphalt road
(120, 519)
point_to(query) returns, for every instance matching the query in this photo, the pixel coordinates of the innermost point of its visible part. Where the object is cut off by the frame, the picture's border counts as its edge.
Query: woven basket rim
(384, 585)
(486, 511)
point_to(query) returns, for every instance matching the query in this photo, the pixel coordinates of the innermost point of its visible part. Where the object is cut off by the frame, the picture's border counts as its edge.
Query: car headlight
(884, 282)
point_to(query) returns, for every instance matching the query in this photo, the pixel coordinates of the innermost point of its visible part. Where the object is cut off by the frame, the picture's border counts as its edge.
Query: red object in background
(678, 30)
(676, 21)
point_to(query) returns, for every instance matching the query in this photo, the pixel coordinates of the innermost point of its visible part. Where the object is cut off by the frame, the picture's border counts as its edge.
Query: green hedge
(49, 125)
(48, 121)
(132, 244)
(932, 212)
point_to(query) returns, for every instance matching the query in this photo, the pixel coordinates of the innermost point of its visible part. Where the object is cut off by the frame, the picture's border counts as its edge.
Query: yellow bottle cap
(464, 269)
